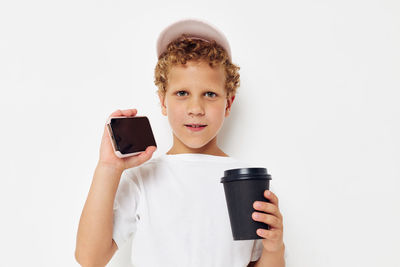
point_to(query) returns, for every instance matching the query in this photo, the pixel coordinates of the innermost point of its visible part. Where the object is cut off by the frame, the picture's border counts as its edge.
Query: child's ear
(229, 105)
(161, 96)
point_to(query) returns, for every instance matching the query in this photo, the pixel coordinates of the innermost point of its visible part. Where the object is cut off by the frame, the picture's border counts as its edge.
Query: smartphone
(130, 135)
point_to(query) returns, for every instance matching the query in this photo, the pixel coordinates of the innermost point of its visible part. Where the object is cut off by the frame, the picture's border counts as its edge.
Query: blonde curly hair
(185, 49)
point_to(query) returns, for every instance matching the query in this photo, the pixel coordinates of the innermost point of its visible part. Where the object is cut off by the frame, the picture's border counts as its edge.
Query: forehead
(197, 72)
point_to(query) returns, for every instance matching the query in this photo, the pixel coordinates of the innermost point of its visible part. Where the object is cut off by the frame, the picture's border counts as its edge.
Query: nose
(195, 107)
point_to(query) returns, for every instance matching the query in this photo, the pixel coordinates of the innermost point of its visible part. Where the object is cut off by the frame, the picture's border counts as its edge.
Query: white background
(318, 106)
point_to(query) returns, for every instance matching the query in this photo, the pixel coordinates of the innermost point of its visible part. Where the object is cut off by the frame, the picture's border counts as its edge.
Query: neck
(210, 148)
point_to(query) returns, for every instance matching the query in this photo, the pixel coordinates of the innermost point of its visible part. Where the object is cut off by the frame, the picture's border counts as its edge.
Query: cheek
(217, 113)
(219, 110)
(175, 114)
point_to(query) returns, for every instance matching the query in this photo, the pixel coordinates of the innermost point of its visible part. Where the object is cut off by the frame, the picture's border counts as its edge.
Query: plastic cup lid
(245, 174)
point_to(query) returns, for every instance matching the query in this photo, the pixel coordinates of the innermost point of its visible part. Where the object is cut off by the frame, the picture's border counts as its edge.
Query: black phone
(130, 135)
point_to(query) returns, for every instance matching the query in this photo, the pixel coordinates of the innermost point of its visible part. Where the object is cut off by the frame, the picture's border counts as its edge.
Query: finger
(269, 234)
(144, 156)
(269, 219)
(271, 197)
(124, 112)
(129, 112)
(267, 207)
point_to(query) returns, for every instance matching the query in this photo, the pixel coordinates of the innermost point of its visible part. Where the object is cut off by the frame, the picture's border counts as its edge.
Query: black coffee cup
(242, 187)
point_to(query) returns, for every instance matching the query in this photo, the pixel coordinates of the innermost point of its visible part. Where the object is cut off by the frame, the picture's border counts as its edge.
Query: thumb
(143, 157)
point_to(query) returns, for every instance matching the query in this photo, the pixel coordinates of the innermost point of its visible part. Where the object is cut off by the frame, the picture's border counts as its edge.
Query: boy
(174, 205)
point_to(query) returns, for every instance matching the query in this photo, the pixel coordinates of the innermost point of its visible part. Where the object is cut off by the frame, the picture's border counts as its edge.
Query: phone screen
(132, 134)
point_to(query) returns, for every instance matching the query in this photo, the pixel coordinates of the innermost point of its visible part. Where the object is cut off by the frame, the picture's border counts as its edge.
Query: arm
(94, 244)
(271, 259)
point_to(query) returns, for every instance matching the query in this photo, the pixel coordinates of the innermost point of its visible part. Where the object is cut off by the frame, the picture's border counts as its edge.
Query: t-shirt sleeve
(125, 207)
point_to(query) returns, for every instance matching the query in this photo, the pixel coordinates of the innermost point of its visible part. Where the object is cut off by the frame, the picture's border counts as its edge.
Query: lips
(195, 125)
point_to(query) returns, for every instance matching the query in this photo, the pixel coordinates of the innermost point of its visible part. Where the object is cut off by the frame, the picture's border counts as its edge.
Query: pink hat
(194, 28)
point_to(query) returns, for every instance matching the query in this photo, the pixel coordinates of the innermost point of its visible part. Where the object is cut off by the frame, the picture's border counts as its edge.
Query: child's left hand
(273, 238)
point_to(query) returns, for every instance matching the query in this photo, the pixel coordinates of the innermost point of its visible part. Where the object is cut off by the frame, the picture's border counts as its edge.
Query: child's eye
(211, 94)
(180, 93)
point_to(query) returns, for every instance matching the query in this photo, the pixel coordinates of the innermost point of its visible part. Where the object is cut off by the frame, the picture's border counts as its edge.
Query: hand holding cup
(268, 213)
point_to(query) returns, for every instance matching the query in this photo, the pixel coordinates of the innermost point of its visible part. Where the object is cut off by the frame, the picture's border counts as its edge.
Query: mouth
(195, 127)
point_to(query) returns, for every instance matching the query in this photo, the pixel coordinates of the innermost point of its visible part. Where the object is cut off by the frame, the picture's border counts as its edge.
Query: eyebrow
(186, 89)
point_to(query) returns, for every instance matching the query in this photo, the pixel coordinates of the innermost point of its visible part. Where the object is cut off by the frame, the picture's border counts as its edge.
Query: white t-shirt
(175, 207)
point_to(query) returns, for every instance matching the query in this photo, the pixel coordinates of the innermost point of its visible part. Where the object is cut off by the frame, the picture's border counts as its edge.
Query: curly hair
(185, 49)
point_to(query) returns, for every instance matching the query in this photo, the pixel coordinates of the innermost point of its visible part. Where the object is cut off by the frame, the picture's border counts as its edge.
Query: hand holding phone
(127, 140)
(130, 135)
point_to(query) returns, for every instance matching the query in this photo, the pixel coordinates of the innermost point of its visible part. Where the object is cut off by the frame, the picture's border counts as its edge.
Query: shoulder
(151, 163)
(148, 167)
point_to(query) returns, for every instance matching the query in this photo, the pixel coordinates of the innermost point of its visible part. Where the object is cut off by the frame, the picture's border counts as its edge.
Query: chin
(193, 142)
(196, 145)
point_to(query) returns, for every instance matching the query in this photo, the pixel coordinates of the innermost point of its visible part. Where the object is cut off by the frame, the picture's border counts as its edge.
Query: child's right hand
(107, 155)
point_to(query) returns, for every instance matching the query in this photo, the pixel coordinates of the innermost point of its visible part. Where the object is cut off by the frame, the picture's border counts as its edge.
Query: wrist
(110, 168)
(280, 250)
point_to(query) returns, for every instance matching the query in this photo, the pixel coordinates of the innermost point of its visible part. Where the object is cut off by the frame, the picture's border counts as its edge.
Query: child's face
(195, 94)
